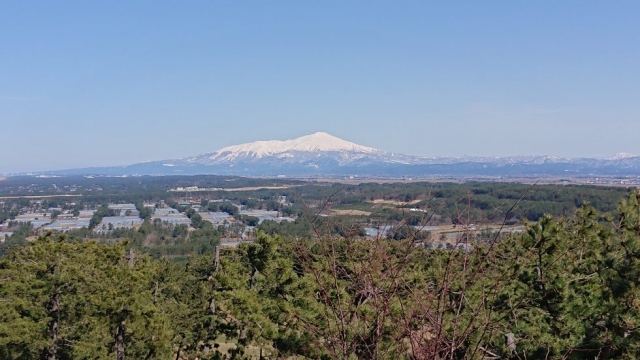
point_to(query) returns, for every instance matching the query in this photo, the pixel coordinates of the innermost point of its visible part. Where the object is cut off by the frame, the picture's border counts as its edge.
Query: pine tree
(63, 300)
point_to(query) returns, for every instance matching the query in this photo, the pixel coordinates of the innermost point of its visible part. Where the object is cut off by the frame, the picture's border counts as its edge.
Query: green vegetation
(566, 287)
(144, 212)
(316, 287)
(99, 214)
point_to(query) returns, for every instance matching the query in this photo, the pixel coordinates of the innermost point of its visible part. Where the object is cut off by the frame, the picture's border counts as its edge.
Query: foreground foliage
(564, 288)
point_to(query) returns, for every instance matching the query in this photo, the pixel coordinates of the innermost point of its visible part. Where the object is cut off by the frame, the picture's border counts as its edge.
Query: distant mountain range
(321, 154)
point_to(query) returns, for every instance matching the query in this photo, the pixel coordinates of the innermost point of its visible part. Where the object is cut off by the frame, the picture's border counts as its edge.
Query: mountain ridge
(321, 154)
(315, 143)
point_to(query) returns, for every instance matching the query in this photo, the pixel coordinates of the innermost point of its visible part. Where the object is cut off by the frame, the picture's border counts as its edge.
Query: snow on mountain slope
(621, 156)
(319, 141)
(323, 154)
(314, 144)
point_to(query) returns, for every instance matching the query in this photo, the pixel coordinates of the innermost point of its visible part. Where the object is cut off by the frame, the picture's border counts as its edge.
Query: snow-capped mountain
(305, 146)
(315, 153)
(324, 155)
(620, 156)
(318, 142)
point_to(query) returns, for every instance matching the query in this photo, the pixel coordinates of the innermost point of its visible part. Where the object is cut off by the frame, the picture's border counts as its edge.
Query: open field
(392, 202)
(255, 188)
(453, 230)
(350, 212)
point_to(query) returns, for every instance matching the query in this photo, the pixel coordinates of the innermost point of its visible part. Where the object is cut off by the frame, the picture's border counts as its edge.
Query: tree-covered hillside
(566, 287)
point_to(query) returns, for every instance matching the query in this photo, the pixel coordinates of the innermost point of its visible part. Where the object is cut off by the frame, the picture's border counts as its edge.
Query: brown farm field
(350, 212)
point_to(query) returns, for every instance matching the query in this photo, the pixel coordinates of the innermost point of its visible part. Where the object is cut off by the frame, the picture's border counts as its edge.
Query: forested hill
(566, 287)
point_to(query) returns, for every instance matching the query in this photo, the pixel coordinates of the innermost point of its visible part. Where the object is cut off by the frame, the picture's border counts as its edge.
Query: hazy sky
(93, 83)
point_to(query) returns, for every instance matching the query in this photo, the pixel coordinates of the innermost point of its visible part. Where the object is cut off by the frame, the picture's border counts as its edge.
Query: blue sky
(110, 83)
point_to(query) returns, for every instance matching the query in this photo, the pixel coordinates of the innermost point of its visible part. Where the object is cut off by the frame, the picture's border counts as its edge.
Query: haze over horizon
(89, 84)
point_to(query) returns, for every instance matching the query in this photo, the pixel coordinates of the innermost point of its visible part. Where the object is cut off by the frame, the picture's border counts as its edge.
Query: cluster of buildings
(263, 215)
(127, 216)
(216, 218)
(55, 219)
(124, 209)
